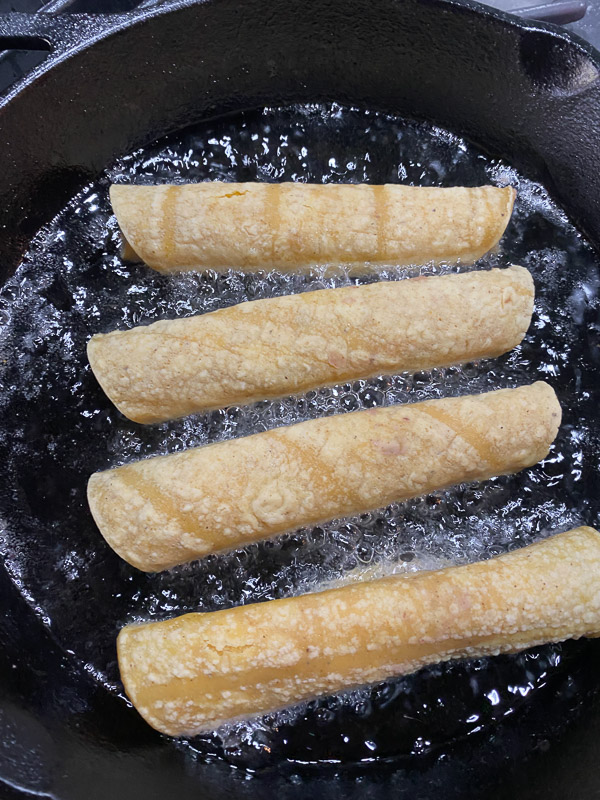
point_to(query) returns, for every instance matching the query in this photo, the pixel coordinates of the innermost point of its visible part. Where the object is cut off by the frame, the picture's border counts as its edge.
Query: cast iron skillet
(524, 91)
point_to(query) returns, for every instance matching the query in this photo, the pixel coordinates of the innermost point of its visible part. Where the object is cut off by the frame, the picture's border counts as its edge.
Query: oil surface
(58, 427)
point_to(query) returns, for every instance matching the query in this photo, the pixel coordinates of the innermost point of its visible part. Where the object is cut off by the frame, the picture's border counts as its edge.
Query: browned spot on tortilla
(336, 359)
(380, 220)
(477, 442)
(158, 499)
(168, 222)
(273, 215)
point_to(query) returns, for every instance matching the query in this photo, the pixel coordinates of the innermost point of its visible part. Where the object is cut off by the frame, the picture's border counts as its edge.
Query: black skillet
(525, 92)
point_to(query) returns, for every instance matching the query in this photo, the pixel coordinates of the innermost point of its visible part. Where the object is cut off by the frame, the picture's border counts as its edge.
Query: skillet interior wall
(527, 94)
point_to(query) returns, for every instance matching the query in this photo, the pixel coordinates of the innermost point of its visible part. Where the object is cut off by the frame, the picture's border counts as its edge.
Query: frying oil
(59, 428)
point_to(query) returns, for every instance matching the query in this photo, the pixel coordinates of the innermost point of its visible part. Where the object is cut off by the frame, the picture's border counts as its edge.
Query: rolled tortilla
(192, 673)
(289, 344)
(293, 226)
(167, 510)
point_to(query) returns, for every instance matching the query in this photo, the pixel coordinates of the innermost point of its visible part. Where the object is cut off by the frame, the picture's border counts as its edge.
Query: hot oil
(58, 427)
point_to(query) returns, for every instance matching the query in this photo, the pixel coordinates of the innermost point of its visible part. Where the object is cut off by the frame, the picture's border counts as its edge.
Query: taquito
(170, 509)
(190, 674)
(294, 226)
(283, 345)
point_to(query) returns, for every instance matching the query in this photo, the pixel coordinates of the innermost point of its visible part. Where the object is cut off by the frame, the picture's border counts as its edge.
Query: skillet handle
(21, 31)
